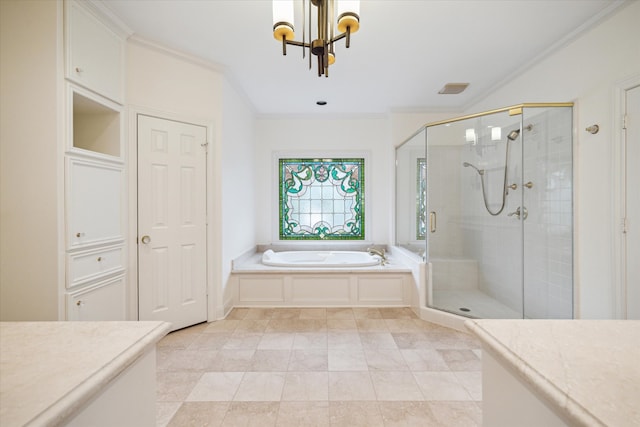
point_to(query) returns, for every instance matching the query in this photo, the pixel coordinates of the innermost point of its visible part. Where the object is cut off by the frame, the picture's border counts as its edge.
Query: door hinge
(624, 122)
(205, 145)
(623, 223)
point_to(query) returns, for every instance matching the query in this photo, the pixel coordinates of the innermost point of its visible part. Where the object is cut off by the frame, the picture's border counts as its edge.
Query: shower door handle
(432, 222)
(518, 212)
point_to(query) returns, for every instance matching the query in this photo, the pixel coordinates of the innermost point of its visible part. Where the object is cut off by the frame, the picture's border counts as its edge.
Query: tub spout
(380, 252)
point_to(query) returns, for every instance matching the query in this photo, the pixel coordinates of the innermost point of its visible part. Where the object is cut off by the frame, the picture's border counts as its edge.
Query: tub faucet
(380, 253)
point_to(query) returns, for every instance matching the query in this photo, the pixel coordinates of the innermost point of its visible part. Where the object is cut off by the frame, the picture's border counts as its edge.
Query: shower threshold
(472, 303)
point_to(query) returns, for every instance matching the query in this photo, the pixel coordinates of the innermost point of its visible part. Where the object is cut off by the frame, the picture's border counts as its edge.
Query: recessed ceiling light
(453, 88)
(321, 102)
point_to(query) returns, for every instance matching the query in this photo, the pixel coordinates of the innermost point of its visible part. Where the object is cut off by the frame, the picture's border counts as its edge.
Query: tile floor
(319, 367)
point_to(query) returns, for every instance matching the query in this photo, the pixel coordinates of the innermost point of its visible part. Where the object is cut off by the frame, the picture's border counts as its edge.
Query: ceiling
(404, 53)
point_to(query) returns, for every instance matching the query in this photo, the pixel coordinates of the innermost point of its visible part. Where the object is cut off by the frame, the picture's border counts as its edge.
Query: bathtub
(319, 259)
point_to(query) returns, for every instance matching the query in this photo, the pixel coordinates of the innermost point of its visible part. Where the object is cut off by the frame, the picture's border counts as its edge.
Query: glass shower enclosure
(490, 197)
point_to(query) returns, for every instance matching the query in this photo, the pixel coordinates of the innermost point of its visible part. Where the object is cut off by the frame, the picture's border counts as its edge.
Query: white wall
(171, 85)
(30, 160)
(313, 137)
(587, 71)
(238, 181)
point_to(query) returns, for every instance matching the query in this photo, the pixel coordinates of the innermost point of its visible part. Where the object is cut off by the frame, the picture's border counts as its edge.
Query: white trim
(618, 194)
(325, 154)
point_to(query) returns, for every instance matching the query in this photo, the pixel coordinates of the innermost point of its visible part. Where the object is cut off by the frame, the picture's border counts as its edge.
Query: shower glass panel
(499, 213)
(411, 194)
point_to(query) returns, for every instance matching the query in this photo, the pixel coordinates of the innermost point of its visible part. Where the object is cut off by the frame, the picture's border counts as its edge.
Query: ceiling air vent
(453, 88)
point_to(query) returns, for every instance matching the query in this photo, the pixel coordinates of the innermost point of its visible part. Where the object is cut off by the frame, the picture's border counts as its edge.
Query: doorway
(172, 221)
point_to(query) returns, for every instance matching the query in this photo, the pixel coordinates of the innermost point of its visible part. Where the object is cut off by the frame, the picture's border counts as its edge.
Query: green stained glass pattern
(421, 196)
(321, 199)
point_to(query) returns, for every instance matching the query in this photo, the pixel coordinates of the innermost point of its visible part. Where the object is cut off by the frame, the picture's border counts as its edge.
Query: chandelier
(322, 46)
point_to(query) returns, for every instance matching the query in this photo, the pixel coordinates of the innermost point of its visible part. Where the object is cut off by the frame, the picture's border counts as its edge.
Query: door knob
(145, 239)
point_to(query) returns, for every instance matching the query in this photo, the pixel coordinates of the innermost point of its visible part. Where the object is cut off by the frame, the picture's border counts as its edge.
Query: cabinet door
(94, 53)
(103, 301)
(94, 211)
(85, 266)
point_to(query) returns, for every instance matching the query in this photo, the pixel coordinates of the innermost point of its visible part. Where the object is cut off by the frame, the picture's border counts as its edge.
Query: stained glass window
(421, 196)
(321, 199)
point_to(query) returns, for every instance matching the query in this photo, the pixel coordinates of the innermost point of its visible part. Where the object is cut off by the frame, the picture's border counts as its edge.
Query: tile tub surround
(319, 367)
(50, 370)
(587, 371)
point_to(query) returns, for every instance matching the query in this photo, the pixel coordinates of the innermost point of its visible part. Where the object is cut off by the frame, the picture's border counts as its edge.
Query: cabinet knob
(78, 70)
(99, 259)
(78, 235)
(79, 303)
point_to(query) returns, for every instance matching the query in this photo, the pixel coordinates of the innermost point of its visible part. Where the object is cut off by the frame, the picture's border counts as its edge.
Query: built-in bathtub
(312, 278)
(320, 259)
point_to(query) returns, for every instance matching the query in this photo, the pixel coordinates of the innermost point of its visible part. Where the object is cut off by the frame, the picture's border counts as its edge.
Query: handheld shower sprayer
(480, 171)
(512, 136)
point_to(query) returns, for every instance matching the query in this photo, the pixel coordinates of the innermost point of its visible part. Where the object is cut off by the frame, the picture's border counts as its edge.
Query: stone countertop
(587, 370)
(48, 370)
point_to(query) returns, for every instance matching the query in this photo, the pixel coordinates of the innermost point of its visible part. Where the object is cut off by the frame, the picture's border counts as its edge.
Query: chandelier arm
(338, 37)
(348, 33)
(310, 39)
(303, 28)
(284, 46)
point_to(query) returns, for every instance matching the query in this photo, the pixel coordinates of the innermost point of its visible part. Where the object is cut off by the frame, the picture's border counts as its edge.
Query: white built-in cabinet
(95, 186)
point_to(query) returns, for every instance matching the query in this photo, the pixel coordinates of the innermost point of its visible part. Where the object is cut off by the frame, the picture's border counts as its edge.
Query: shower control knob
(529, 184)
(513, 186)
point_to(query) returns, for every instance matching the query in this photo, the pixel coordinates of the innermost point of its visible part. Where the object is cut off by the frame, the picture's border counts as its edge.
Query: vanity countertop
(48, 370)
(587, 370)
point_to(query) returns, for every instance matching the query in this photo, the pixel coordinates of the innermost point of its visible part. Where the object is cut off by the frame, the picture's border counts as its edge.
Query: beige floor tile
(441, 386)
(270, 361)
(282, 325)
(412, 340)
(242, 341)
(252, 325)
(260, 387)
(350, 386)
(238, 313)
(303, 414)
(251, 414)
(472, 382)
(216, 387)
(397, 386)
(309, 360)
(366, 313)
(457, 414)
(260, 313)
(339, 313)
(276, 341)
(306, 386)
(165, 411)
(372, 325)
(342, 325)
(233, 360)
(402, 325)
(224, 326)
(175, 386)
(286, 313)
(424, 360)
(343, 340)
(313, 313)
(377, 340)
(407, 414)
(309, 340)
(385, 360)
(461, 360)
(355, 414)
(350, 359)
(315, 366)
(189, 360)
(199, 414)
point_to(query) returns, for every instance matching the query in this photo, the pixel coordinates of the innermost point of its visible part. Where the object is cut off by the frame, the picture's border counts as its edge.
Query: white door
(172, 222)
(632, 202)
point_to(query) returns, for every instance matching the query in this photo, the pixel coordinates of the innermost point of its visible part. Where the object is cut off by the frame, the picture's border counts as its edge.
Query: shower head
(480, 171)
(513, 135)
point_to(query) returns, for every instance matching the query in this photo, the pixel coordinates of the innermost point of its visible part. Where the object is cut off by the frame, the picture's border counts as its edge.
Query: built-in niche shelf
(96, 126)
